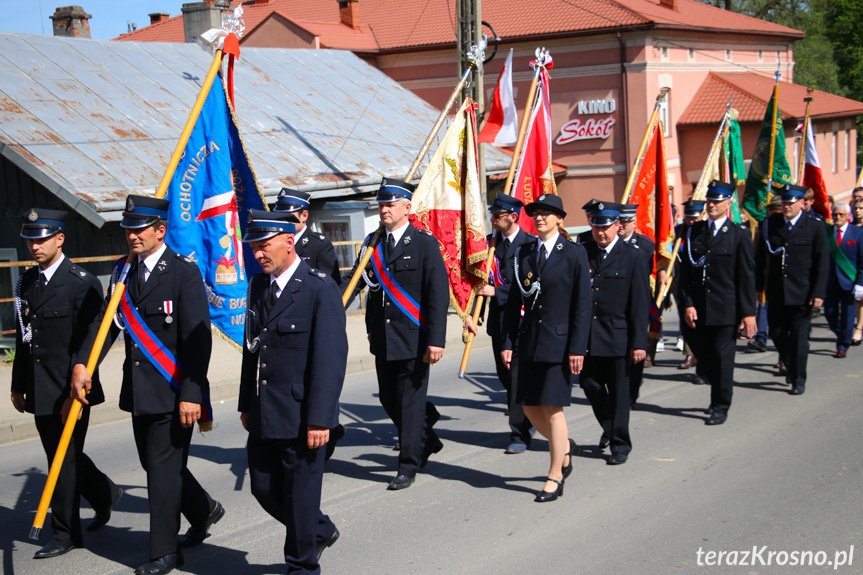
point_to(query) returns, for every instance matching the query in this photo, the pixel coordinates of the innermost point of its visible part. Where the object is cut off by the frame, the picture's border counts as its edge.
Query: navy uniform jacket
(723, 291)
(145, 391)
(295, 376)
(556, 322)
(621, 300)
(852, 247)
(502, 293)
(807, 261)
(647, 248)
(417, 266)
(318, 252)
(60, 321)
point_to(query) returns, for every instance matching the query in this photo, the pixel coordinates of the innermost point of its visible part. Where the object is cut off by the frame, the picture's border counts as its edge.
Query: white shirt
(718, 223)
(511, 237)
(398, 233)
(793, 222)
(843, 229)
(151, 262)
(283, 278)
(299, 234)
(549, 244)
(49, 272)
(607, 249)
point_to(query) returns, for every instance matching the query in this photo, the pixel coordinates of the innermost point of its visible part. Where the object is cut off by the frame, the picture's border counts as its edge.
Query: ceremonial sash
(495, 273)
(396, 293)
(839, 256)
(655, 318)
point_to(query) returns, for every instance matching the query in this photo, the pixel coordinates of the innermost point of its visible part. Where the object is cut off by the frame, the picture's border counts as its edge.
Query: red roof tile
(410, 23)
(752, 92)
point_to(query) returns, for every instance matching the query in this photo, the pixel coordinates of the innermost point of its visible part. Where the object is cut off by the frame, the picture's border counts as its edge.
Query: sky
(110, 17)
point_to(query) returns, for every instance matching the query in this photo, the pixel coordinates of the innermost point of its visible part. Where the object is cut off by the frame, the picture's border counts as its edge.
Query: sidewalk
(224, 374)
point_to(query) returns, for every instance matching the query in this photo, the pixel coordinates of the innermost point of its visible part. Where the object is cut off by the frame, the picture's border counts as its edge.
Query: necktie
(542, 258)
(505, 245)
(602, 254)
(839, 236)
(788, 226)
(712, 229)
(142, 277)
(272, 298)
(40, 285)
(391, 244)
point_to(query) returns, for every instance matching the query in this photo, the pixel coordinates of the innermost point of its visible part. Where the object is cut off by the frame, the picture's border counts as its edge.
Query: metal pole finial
(476, 55)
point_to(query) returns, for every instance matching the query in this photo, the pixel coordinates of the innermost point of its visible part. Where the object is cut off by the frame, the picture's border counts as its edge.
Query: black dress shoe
(104, 515)
(545, 496)
(756, 346)
(604, 441)
(336, 434)
(196, 534)
(328, 543)
(55, 549)
(699, 380)
(431, 447)
(797, 389)
(617, 459)
(161, 565)
(716, 418)
(687, 362)
(400, 482)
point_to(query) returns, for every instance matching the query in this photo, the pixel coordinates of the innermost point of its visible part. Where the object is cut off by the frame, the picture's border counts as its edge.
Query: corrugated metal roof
(94, 120)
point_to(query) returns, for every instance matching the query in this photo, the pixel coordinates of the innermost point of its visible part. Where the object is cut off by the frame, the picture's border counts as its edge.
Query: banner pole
(803, 141)
(113, 303)
(773, 137)
(639, 159)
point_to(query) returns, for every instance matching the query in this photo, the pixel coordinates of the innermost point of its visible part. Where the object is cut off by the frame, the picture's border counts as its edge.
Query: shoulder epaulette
(426, 232)
(319, 236)
(184, 258)
(315, 272)
(79, 273)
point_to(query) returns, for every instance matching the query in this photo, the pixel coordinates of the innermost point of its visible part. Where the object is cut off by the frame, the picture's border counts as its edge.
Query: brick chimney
(71, 21)
(349, 13)
(198, 17)
(157, 17)
(671, 4)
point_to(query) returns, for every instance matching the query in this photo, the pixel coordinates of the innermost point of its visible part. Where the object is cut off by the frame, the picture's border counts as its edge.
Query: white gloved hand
(858, 292)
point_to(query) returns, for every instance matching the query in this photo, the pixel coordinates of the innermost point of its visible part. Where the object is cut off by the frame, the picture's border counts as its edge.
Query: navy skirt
(543, 384)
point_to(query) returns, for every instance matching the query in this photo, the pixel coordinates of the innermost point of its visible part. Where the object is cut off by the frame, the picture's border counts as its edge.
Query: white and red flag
(812, 177)
(535, 175)
(449, 203)
(501, 125)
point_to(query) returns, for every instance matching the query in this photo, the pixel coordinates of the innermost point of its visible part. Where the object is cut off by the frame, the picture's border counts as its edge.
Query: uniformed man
(791, 267)
(165, 307)
(56, 302)
(406, 338)
(316, 250)
(618, 329)
(845, 278)
(293, 370)
(647, 248)
(505, 212)
(717, 294)
(692, 211)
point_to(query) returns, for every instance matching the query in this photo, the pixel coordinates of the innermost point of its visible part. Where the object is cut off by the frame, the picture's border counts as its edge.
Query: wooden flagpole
(801, 166)
(639, 159)
(473, 64)
(114, 302)
(507, 189)
(773, 137)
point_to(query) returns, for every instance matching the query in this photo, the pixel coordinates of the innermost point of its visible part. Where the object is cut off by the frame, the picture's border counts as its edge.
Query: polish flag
(812, 177)
(501, 127)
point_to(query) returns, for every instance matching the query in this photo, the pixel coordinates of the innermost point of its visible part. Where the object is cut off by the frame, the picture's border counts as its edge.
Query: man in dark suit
(692, 211)
(717, 294)
(618, 330)
(316, 250)
(505, 212)
(56, 302)
(293, 370)
(845, 278)
(405, 338)
(791, 267)
(164, 305)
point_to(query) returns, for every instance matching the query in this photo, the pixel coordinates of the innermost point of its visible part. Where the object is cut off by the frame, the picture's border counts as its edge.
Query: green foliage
(8, 356)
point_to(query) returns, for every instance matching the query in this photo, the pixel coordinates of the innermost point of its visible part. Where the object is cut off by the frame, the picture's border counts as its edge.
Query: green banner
(733, 150)
(756, 195)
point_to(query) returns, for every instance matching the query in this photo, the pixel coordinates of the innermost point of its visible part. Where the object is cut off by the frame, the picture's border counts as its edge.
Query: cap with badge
(719, 191)
(394, 190)
(292, 201)
(143, 211)
(693, 208)
(627, 212)
(550, 202)
(791, 193)
(38, 223)
(263, 225)
(601, 213)
(506, 203)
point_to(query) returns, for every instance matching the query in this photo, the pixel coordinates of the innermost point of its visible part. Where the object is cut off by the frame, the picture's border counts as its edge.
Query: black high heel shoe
(544, 495)
(573, 452)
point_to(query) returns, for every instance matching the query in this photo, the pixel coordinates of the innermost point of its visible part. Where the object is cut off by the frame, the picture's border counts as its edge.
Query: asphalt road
(783, 475)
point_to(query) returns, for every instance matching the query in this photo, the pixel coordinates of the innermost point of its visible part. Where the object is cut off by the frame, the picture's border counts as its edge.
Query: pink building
(611, 59)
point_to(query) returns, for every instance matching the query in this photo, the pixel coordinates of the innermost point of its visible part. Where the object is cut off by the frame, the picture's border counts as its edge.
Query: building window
(8, 279)
(339, 230)
(847, 149)
(761, 55)
(728, 55)
(833, 150)
(692, 54)
(665, 115)
(663, 53)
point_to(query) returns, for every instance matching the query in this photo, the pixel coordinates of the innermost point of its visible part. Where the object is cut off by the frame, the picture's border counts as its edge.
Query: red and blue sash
(655, 318)
(495, 274)
(156, 352)
(396, 293)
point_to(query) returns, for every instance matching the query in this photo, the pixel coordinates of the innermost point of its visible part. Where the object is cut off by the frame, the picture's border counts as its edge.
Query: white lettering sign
(597, 106)
(592, 129)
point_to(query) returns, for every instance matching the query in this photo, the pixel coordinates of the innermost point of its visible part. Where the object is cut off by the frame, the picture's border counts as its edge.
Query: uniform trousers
(605, 384)
(286, 478)
(789, 330)
(78, 476)
(715, 347)
(840, 308)
(519, 425)
(402, 389)
(163, 449)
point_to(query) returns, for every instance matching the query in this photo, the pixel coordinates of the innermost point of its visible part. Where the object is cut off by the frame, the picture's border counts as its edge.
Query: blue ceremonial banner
(211, 192)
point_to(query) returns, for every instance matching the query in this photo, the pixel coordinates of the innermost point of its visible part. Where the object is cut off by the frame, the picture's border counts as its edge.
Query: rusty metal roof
(95, 120)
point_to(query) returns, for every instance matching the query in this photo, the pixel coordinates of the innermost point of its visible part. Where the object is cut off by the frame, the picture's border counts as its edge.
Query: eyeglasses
(497, 215)
(841, 214)
(541, 214)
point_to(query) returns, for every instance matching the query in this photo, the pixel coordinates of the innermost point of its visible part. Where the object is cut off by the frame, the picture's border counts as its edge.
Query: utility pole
(469, 33)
